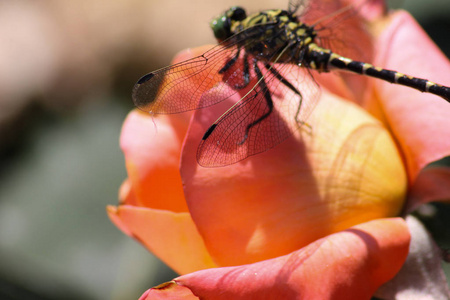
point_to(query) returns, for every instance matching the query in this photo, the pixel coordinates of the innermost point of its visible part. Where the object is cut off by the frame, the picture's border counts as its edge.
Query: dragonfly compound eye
(221, 25)
(236, 13)
(221, 28)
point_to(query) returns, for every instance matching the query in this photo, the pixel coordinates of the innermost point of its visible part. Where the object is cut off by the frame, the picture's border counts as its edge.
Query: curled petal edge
(352, 263)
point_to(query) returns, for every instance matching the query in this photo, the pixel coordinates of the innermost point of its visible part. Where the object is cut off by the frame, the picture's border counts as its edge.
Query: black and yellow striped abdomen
(323, 60)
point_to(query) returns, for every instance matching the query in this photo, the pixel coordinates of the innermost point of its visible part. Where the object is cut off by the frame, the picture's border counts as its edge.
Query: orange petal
(126, 194)
(346, 171)
(152, 149)
(170, 236)
(418, 121)
(348, 265)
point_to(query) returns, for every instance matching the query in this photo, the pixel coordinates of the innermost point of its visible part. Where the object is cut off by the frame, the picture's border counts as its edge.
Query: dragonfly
(261, 57)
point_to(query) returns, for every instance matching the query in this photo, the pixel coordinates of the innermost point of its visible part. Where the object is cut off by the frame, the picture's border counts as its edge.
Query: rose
(266, 215)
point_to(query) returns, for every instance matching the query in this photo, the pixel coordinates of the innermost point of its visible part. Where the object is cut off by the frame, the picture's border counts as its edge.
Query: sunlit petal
(170, 236)
(346, 171)
(348, 265)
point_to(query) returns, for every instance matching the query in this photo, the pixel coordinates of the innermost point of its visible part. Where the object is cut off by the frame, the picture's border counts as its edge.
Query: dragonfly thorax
(271, 35)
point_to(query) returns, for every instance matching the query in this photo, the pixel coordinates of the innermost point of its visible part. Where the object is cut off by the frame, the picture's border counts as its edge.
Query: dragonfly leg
(231, 62)
(284, 81)
(265, 91)
(245, 72)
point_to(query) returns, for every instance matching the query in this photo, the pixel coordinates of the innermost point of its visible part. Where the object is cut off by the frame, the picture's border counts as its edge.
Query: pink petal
(422, 276)
(348, 265)
(418, 121)
(168, 291)
(432, 184)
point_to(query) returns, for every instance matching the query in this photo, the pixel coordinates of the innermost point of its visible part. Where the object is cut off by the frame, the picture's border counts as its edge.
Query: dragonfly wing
(188, 85)
(230, 139)
(297, 5)
(344, 32)
(179, 87)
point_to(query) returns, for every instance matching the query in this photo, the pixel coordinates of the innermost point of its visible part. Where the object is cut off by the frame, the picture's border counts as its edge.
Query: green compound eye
(221, 25)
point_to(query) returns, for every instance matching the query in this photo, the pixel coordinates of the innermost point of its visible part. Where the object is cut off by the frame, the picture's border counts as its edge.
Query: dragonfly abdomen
(323, 60)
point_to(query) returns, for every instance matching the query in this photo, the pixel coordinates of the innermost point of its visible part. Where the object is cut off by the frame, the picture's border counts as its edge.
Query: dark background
(66, 71)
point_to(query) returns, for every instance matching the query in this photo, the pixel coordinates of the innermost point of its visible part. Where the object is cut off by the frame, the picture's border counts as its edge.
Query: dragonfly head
(221, 25)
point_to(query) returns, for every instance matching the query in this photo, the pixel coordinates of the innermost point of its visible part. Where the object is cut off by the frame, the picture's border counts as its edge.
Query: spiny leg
(265, 91)
(288, 85)
(245, 72)
(292, 88)
(231, 62)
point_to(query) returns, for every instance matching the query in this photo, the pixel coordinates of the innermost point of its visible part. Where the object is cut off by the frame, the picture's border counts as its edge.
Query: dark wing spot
(145, 78)
(209, 131)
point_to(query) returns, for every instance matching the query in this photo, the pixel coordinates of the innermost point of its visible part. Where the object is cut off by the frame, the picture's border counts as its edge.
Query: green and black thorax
(271, 35)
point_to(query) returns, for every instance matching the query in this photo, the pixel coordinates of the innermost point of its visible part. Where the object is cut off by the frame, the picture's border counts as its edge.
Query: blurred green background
(66, 72)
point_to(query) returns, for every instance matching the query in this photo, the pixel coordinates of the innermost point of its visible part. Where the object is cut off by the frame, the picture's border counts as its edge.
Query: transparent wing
(297, 5)
(188, 85)
(230, 139)
(340, 27)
